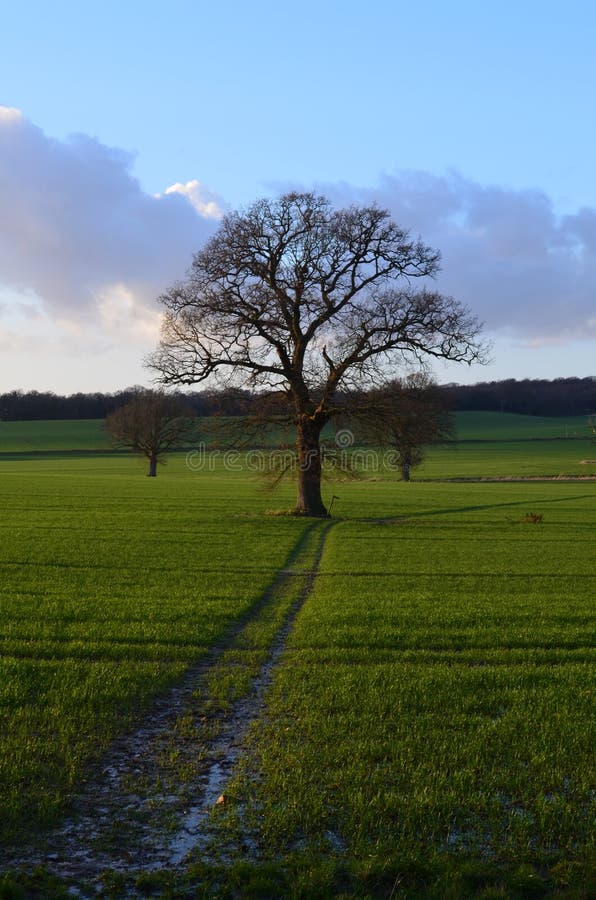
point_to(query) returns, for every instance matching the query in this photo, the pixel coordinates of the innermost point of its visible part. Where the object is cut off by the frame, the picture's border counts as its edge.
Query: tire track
(150, 803)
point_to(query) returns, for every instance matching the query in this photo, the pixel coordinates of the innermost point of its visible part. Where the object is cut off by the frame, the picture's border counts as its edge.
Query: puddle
(192, 833)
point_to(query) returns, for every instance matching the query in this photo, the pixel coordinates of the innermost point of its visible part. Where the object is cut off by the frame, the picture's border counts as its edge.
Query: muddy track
(148, 803)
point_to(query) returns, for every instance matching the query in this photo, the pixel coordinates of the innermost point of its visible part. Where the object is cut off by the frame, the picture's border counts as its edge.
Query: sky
(128, 129)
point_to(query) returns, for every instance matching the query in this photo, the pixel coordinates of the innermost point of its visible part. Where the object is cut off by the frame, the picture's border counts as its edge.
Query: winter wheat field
(203, 696)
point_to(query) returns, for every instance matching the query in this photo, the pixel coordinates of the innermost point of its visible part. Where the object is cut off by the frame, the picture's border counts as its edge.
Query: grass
(502, 459)
(112, 584)
(89, 434)
(436, 699)
(491, 426)
(53, 435)
(428, 731)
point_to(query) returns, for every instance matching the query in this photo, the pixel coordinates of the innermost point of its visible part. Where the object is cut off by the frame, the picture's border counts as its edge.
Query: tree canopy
(405, 415)
(151, 424)
(294, 295)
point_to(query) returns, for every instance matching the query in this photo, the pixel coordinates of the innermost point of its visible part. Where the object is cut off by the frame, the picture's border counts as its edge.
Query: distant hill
(89, 436)
(497, 426)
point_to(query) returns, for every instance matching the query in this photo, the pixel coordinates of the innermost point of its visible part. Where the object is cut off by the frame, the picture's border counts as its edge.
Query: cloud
(78, 232)
(10, 114)
(525, 271)
(85, 251)
(205, 202)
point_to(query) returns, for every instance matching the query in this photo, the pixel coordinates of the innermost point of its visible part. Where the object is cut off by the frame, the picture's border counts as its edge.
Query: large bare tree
(151, 424)
(294, 295)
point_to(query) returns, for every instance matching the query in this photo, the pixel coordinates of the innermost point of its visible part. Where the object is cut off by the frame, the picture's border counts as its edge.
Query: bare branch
(291, 294)
(151, 424)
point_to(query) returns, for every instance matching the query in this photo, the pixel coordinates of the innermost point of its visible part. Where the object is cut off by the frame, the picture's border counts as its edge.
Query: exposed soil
(148, 805)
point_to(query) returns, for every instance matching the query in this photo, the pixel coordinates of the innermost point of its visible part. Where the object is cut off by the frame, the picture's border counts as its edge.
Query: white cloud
(85, 251)
(526, 272)
(123, 315)
(10, 114)
(74, 222)
(206, 203)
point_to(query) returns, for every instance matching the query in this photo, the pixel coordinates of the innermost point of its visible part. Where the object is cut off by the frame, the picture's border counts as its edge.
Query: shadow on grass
(476, 507)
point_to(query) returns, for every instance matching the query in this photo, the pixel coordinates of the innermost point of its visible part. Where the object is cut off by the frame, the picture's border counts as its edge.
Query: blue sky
(472, 122)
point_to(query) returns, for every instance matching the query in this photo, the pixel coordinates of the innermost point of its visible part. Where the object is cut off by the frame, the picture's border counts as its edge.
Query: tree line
(533, 397)
(16, 406)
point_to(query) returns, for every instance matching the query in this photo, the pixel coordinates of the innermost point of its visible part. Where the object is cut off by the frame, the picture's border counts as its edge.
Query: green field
(89, 434)
(53, 435)
(488, 426)
(108, 592)
(428, 728)
(445, 655)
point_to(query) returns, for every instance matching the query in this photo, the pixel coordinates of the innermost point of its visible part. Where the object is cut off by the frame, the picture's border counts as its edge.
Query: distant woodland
(534, 397)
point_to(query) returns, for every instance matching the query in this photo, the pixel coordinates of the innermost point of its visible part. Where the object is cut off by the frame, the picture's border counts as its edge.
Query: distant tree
(151, 424)
(405, 415)
(295, 296)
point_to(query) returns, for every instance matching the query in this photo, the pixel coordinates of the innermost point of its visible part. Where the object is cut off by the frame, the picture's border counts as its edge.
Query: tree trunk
(152, 473)
(405, 466)
(309, 501)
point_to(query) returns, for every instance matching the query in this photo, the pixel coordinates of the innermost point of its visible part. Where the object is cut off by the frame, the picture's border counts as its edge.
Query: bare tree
(405, 415)
(293, 295)
(151, 424)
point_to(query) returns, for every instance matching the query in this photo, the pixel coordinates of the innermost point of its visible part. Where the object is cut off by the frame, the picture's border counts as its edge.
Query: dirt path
(149, 803)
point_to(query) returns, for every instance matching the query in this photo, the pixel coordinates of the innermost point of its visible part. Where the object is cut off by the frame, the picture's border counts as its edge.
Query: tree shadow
(425, 513)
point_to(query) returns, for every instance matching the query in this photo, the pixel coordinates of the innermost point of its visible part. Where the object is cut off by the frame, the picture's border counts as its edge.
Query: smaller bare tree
(405, 415)
(151, 424)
